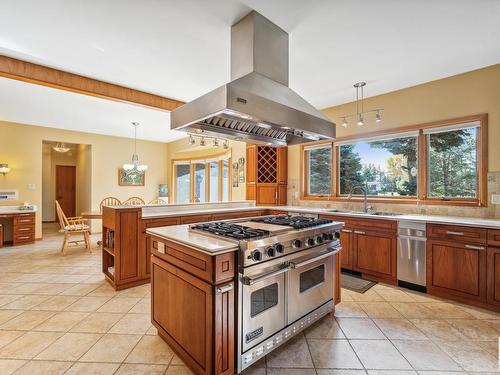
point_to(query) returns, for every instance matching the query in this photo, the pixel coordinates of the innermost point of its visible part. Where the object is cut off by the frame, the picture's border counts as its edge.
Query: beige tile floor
(59, 316)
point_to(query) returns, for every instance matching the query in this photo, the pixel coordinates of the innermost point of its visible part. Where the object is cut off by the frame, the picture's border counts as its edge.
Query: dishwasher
(412, 255)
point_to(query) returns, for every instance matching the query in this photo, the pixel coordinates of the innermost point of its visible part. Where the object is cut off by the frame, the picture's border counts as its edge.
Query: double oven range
(285, 277)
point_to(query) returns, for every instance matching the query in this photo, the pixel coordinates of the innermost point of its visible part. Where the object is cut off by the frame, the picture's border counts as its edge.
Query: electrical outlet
(495, 198)
(31, 186)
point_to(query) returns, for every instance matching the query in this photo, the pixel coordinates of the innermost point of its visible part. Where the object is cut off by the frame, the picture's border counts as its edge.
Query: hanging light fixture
(60, 147)
(4, 168)
(191, 140)
(135, 167)
(216, 142)
(225, 144)
(360, 114)
(202, 141)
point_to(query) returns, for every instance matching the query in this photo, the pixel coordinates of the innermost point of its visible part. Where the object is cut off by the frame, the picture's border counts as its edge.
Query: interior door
(66, 188)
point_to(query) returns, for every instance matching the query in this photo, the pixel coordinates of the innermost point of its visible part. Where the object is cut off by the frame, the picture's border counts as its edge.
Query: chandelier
(135, 168)
(360, 112)
(60, 147)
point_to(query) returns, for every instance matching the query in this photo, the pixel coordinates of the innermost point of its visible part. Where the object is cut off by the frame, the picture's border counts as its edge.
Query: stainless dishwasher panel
(412, 253)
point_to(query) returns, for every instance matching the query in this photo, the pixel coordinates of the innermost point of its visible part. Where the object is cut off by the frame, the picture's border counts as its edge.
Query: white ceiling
(38, 105)
(180, 49)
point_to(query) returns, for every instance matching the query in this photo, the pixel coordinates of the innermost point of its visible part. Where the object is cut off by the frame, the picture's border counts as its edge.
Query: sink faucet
(366, 208)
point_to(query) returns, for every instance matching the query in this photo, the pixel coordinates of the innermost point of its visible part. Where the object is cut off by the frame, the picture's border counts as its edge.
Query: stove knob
(331, 236)
(270, 251)
(325, 236)
(297, 243)
(279, 247)
(319, 239)
(310, 241)
(256, 255)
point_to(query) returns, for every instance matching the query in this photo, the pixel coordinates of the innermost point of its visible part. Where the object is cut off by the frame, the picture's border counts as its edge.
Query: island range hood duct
(257, 106)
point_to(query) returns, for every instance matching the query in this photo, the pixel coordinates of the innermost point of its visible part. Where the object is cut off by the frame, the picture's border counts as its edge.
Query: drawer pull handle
(454, 233)
(24, 229)
(346, 230)
(359, 232)
(23, 237)
(225, 288)
(475, 247)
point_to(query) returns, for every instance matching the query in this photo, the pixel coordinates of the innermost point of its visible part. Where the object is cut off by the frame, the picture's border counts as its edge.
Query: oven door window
(263, 299)
(311, 278)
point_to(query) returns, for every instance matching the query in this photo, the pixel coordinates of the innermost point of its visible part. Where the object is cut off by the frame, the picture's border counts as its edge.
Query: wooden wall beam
(58, 79)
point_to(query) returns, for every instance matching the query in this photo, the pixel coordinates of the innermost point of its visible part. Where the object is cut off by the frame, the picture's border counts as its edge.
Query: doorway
(66, 188)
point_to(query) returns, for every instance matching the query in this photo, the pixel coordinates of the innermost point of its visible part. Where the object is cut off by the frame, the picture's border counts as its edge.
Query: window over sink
(444, 162)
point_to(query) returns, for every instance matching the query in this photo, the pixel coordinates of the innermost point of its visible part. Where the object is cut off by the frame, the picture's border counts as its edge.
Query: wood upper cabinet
(375, 253)
(266, 175)
(493, 275)
(456, 269)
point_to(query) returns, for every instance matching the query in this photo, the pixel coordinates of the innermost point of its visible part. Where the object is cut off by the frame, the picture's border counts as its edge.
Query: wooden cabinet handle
(359, 232)
(346, 230)
(450, 232)
(472, 247)
(24, 229)
(23, 238)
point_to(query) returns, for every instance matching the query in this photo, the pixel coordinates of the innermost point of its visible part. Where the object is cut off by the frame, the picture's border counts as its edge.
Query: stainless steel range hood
(257, 106)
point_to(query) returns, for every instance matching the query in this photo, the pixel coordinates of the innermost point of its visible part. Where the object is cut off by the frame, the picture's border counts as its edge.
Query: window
(182, 182)
(319, 169)
(385, 167)
(202, 181)
(438, 163)
(452, 162)
(263, 299)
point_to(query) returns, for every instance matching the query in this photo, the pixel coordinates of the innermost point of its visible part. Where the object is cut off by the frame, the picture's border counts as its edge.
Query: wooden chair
(110, 201)
(71, 226)
(157, 201)
(134, 201)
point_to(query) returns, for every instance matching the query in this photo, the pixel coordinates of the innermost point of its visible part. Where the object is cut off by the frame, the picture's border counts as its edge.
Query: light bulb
(216, 142)
(142, 168)
(191, 140)
(128, 167)
(225, 144)
(377, 117)
(360, 121)
(202, 141)
(344, 122)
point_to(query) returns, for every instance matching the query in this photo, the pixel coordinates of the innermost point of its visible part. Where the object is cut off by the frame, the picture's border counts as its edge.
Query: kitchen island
(224, 302)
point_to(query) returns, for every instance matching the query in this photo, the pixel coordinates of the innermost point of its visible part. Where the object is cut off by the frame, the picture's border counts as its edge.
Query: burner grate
(230, 230)
(296, 222)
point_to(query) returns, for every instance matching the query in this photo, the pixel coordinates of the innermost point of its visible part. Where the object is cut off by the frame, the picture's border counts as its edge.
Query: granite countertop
(15, 210)
(205, 244)
(453, 220)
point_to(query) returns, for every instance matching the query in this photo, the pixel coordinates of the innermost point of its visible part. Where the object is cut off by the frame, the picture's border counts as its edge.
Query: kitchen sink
(340, 211)
(374, 213)
(379, 213)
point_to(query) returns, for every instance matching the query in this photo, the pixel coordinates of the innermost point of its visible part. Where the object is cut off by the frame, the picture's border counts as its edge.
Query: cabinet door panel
(267, 194)
(129, 244)
(493, 271)
(283, 165)
(374, 253)
(456, 269)
(346, 252)
(282, 198)
(224, 330)
(187, 317)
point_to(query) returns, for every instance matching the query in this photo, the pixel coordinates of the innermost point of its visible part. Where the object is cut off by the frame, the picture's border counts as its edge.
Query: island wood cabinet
(369, 246)
(493, 267)
(193, 305)
(267, 175)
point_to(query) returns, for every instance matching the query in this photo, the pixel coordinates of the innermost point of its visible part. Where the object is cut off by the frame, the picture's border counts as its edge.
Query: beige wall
(465, 94)
(181, 149)
(21, 148)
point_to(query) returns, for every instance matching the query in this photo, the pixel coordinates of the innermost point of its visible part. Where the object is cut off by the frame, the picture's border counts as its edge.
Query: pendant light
(135, 167)
(360, 115)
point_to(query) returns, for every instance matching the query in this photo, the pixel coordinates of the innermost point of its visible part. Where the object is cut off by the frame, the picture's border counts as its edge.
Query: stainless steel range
(286, 277)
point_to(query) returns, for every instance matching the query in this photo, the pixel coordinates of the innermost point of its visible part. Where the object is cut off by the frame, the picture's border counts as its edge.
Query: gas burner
(296, 222)
(224, 229)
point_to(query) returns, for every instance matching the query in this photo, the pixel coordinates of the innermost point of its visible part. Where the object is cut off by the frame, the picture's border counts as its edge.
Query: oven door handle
(331, 251)
(252, 280)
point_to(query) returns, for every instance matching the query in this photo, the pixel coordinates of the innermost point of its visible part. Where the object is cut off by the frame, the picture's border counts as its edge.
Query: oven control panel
(288, 246)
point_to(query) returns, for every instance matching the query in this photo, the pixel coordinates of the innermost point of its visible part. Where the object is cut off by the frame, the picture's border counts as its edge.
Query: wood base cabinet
(493, 272)
(456, 270)
(193, 306)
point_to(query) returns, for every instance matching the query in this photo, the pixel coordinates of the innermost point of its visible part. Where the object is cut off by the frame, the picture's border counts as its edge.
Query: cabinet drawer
(24, 229)
(494, 237)
(195, 219)
(160, 222)
(457, 233)
(22, 220)
(20, 238)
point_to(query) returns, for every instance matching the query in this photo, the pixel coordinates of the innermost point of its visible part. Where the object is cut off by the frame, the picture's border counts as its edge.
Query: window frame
(203, 160)
(422, 156)
(305, 164)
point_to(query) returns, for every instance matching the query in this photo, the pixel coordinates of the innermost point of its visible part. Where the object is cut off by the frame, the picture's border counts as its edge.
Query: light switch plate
(495, 198)
(31, 186)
